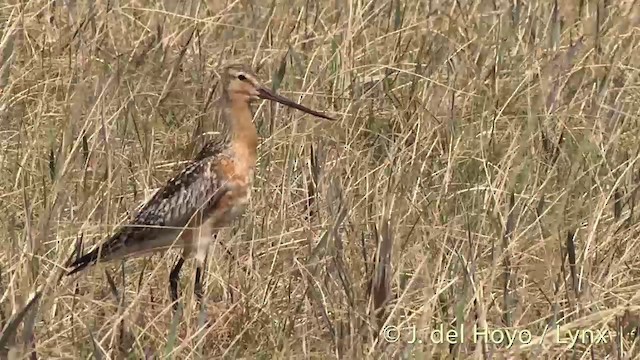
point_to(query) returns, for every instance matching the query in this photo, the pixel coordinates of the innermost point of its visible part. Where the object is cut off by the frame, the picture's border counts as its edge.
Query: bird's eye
(241, 77)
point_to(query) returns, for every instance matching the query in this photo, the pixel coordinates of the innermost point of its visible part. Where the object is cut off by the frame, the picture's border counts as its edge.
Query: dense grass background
(483, 172)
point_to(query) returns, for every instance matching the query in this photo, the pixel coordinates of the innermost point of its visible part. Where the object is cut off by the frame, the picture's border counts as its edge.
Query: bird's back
(197, 189)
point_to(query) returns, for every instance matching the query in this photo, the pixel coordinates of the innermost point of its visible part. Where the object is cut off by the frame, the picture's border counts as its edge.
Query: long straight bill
(270, 95)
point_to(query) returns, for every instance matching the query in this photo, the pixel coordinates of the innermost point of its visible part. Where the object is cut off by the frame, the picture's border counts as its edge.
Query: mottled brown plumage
(207, 195)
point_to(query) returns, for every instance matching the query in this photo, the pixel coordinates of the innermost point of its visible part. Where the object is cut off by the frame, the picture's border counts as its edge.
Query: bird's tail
(104, 252)
(83, 262)
(128, 242)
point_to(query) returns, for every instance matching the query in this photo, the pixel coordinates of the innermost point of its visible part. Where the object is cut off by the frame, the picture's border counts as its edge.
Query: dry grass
(484, 172)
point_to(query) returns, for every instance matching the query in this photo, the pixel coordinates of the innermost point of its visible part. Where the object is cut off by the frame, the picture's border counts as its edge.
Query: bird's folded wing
(197, 188)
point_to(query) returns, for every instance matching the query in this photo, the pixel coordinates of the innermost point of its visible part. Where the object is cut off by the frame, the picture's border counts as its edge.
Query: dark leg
(200, 264)
(173, 282)
(197, 286)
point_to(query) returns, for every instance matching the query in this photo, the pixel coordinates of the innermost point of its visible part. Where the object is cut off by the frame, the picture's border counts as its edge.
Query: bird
(211, 191)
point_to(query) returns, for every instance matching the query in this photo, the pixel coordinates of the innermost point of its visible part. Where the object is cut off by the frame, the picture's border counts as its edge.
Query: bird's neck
(243, 136)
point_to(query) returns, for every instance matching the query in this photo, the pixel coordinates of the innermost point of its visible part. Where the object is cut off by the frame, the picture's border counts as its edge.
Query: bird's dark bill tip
(270, 95)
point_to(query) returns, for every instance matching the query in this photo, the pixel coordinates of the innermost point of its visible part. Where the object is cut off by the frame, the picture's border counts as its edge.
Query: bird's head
(241, 84)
